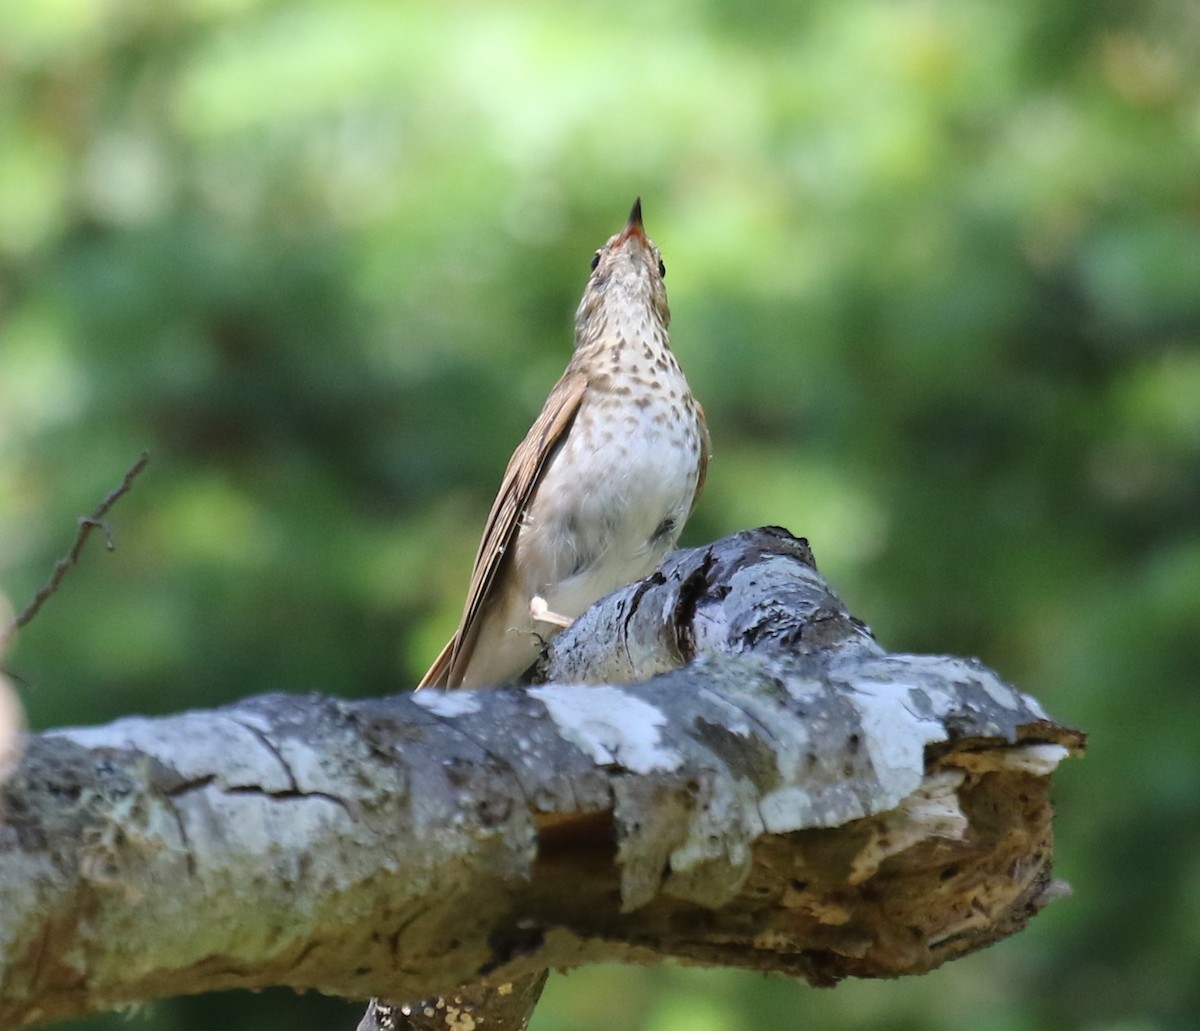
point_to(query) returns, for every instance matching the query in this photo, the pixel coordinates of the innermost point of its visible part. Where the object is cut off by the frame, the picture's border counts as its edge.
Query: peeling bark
(783, 796)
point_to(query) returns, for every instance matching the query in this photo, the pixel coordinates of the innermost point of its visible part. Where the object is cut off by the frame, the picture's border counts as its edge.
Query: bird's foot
(541, 613)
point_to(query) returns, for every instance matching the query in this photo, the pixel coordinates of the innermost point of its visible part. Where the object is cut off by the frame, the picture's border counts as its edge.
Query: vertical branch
(504, 1007)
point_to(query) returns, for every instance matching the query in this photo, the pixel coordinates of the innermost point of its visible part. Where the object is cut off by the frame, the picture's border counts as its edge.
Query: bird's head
(626, 284)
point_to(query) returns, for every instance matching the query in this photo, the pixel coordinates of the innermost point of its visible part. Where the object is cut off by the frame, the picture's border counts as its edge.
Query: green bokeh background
(935, 272)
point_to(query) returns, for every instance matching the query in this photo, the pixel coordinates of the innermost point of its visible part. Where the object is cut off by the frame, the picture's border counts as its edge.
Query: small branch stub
(92, 521)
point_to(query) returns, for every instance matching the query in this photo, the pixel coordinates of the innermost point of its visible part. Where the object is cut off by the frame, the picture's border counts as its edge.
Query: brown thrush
(598, 491)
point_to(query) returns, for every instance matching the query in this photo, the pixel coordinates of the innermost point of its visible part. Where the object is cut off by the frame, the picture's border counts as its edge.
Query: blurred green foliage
(935, 270)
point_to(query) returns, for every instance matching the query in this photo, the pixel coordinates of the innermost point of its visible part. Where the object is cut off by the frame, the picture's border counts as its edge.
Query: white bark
(790, 798)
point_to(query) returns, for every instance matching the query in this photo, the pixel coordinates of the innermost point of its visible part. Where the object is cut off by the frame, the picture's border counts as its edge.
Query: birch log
(783, 795)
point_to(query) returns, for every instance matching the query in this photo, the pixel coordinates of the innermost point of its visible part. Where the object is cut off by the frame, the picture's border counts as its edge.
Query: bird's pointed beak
(634, 226)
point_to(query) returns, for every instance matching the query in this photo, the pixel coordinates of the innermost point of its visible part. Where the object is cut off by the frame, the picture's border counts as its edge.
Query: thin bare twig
(92, 521)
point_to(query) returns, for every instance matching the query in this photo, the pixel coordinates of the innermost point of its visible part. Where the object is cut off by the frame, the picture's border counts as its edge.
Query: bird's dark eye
(662, 269)
(595, 261)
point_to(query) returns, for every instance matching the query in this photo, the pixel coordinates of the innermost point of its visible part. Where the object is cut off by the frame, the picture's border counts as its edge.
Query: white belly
(608, 509)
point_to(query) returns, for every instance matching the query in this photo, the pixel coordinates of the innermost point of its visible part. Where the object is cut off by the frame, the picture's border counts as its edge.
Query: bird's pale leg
(541, 613)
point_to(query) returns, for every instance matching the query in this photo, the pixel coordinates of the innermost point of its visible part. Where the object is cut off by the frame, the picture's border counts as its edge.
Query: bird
(598, 491)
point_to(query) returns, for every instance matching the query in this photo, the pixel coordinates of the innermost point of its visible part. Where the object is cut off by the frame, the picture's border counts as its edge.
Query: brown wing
(525, 469)
(705, 455)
